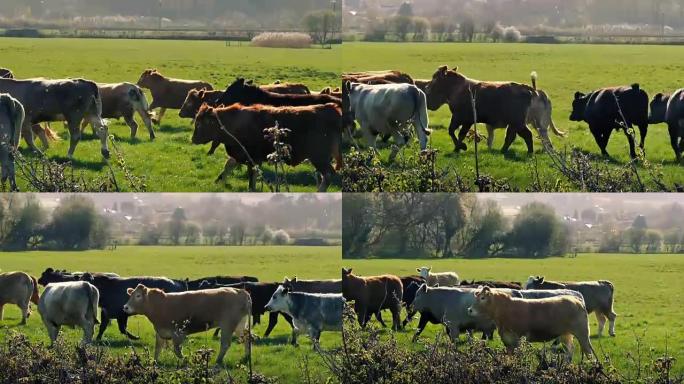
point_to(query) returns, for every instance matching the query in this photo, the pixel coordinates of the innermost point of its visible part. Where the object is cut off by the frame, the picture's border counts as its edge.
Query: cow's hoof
(105, 153)
(612, 335)
(152, 137)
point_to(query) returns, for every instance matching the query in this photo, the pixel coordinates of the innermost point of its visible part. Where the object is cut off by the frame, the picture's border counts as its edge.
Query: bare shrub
(282, 40)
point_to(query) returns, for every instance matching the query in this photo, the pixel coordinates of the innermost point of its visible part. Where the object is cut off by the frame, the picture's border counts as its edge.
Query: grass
(563, 70)
(272, 356)
(648, 296)
(170, 163)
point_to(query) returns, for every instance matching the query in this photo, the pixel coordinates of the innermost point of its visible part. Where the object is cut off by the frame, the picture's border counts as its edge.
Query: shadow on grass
(81, 164)
(173, 128)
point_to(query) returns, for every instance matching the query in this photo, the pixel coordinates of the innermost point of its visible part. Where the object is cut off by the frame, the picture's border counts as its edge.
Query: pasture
(273, 356)
(563, 69)
(648, 297)
(171, 162)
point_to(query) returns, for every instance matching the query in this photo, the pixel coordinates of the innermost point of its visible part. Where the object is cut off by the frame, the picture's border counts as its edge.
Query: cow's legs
(326, 170)
(179, 338)
(226, 336)
(74, 136)
(490, 136)
(643, 130)
(251, 176)
(422, 322)
(566, 340)
(214, 144)
(525, 133)
(88, 328)
(510, 137)
(409, 317)
(159, 116)
(399, 142)
(24, 313)
(132, 124)
(53, 332)
(601, 322)
(462, 133)
(272, 321)
(611, 322)
(27, 132)
(228, 168)
(2, 311)
(630, 140)
(453, 126)
(145, 116)
(378, 316)
(673, 130)
(396, 317)
(104, 323)
(158, 346)
(123, 325)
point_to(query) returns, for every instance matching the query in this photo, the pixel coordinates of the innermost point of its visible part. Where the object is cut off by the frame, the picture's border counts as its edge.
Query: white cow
(443, 279)
(72, 303)
(11, 119)
(383, 108)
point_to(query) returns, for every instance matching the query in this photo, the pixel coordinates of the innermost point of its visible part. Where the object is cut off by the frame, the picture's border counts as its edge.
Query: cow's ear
(454, 68)
(249, 82)
(422, 288)
(294, 279)
(129, 291)
(418, 269)
(658, 97)
(578, 95)
(541, 279)
(49, 270)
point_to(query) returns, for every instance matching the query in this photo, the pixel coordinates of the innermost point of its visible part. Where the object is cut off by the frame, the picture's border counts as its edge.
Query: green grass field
(563, 70)
(273, 356)
(649, 293)
(170, 163)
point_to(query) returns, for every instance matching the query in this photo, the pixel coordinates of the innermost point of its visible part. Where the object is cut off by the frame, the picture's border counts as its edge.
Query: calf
(538, 320)
(70, 100)
(598, 297)
(20, 289)
(670, 109)
(449, 306)
(609, 109)
(123, 100)
(443, 279)
(168, 93)
(72, 303)
(315, 134)
(312, 313)
(176, 315)
(6, 74)
(113, 296)
(499, 104)
(12, 117)
(372, 294)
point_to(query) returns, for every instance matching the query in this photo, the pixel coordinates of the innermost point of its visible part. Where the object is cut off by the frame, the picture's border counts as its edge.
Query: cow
(312, 313)
(669, 109)
(315, 134)
(371, 294)
(113, 296)
(6, 74)
(50, 275)
(378, 77)
(196, 284)
(244, 93)
(313, 286)
(410, 285)
(176, 315)
(449, 306)
(124, 100)
(287, 88)
(336, 92)
(20, 289)
(492, 284)
(71, 303)
(443, 279)
(499, 104)
(12, 117)
(539, 116)
(70, 100)
(382, 109)
(538, 320)
(613, 108)
(598, 297)
(167, 92)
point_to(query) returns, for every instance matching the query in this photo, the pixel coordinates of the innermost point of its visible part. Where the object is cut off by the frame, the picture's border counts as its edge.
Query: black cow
(613, 108)
(409, 294)
(196, 284)
(670, 109)
(114, 295)
(492, 284)
(51, 275)
(248, 94)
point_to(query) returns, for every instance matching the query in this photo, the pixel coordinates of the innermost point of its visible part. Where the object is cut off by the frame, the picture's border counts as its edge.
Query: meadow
(648, 298)
(273, 356)
(170, 162)
(563, 69)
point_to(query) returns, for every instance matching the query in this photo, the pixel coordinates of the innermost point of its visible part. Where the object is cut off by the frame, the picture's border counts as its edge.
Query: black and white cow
(669, 109)
(312, 313)
(72, 303)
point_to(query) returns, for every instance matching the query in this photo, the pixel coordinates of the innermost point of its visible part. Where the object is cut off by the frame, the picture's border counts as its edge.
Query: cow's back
(608, 105)
(15, 287)
(67, 302)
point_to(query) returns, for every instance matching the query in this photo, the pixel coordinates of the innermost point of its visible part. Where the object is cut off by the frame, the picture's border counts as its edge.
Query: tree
(192, 233)
(151, 235)
(280, 237)
(401, 25)
(635, 238)
(405, 9)
(25, 225)
(421, 28)
(640, 222)
(267, 236)
(467, 29)
(654, 241)
(73, 221)
(489, 229)
(176, 226)
(610, 242)
(237, 233)
(537, 232)
(320, 25)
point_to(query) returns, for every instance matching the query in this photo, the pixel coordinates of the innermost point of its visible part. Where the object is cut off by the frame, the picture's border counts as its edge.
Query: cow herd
(538, 310)
(176, 308)
(383, 101)
(236, 117)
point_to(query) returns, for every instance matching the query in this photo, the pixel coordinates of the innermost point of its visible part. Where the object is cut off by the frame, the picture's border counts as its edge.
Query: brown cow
(538, 320)
(18, 288)
(287, 88)
(315, 134)
(337, 92)
(372, 294)
(123, 100)
(377, 77)
(499, 104)
(177, 315)
(167, 92)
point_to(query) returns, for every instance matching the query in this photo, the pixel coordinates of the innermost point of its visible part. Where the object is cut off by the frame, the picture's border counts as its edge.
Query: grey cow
(11, 120)
(124, 100)
(450, 307)
(598, 297)
(312, 313)
(72, 303)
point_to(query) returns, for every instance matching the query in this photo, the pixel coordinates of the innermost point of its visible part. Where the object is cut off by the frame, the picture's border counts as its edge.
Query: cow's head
(148, 78)
(534, 282)
(47, 277)
(658, 108)
(288, 283)
(424, 272)
(137, 300)
(483, 301)
(579, 106)
(420, 299)
(444, 83)
(240, 91)
(207, 126)
(280, 301)
(193, 102)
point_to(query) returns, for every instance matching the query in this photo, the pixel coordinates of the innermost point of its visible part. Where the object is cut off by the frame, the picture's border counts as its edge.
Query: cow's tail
(556, 131)
(35, 296)
(50, 134)
(136, 94)
(420, 112)
(93, 299)
(18, 115)
(534, 78)
(246, 329)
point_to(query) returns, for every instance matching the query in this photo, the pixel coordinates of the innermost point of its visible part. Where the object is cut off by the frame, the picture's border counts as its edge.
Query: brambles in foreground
(371, 356)
(23, 361)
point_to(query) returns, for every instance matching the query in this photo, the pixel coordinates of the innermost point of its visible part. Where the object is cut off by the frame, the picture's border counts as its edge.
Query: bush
(497, 33)
(511, 35)
(280, 237)
(282, 40)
